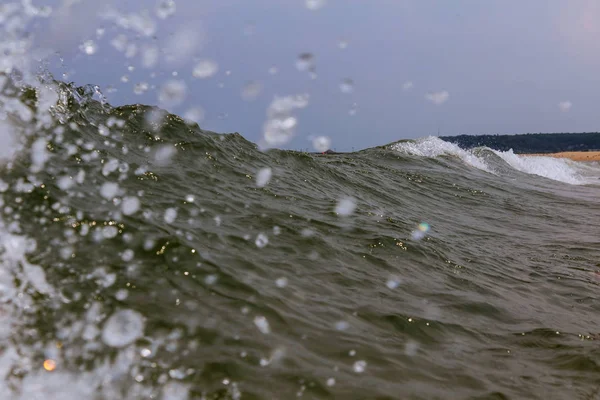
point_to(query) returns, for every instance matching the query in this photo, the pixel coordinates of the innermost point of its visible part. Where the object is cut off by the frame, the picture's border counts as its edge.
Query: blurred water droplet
(130, 205)
(305, 62)
(123, 328)
(280, 124)
(251, 90)
(194, 115)
(149, 56)
(172, 93)
(411, 348)
(140, 88)
(273, 70)
(170, 215)
(343, 44)
(407, 85)
(393, 282)
(205, 69)
(341, 325)
(314, 4)
(210, 279)
(109, 232)
(145, 353)
(121, 294)
(321, 143)
(347, 85)
(165, 8)
(345, 206)
(276, 230)
(281, 282)
(421, 231)
(164, 154)
(353, 109)
(261, 240)
(263, 177)
(190, 198)
(109, 190)
(262, 324)
(89, 47)
(331, 382)
(359, 366)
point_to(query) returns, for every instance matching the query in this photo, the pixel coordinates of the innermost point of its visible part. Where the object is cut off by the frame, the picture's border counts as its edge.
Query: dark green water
(267, 293)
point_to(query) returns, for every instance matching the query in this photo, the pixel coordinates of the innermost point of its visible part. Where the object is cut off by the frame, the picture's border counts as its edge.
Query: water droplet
(123, 328)
(343, 44)
(305, 62)
(149, 56)
(421, 231)
(251, 90)
(130, 205)
(205, 69)
(276, 230)
(145, 353)
(263, 177)
(89, 47)
(347, 85)
(438, 98)
(109, 190)
(109, 232)
(64, 183)
(190, 198)
(170, 215)
(345, 206)
(127, 255)
(279, 127)
(321, 143)
(210, 279)
(407, 85)
(140, 88)
(165, 8)
(359, 366)
(281, 282)
(262, 324)
(121, 294)
(315, 4)
(353, 109)
(164, 154)
(261, 240)
(411, 348)
(341, 325)
(172, 93)
(393, 282)
(331, 382)
(194, 114)
(273, 70)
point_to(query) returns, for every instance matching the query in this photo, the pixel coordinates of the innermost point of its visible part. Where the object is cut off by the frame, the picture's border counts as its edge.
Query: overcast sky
(467, 66)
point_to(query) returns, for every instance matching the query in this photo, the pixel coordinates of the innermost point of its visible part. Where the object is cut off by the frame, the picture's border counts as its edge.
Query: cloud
(438, 97)
(565, 106)
(407, 85)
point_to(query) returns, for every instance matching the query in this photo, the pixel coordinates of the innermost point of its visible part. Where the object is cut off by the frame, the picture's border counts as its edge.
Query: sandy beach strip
(573, 155)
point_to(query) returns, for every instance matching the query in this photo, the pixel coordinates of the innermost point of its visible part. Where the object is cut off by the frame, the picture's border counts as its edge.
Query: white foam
(433, 147)
(558, 169)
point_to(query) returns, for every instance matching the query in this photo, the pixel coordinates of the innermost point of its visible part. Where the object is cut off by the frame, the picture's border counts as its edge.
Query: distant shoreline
(572, 155)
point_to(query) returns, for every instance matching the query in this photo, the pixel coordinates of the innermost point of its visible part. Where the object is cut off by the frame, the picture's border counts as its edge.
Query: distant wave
(557, 169)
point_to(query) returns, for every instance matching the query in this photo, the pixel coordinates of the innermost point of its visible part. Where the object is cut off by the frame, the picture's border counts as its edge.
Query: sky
(417, 67)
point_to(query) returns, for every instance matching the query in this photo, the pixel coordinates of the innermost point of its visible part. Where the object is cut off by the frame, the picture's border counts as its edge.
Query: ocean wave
(557, 169)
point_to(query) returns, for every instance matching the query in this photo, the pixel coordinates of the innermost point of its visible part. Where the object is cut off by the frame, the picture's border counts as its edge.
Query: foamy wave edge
(561, 170)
